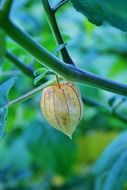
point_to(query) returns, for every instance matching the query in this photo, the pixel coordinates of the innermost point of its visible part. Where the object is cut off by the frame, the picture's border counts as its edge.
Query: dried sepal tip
(62, 107)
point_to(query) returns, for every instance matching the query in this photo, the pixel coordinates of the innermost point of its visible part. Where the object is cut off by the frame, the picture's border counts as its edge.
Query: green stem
(115, 107)
(59, 5)
(67, 71)
(28, 95)
(104, 109)
(6, 8)
(25, 69)
(50, 14)
(85, 100)
(9, 73)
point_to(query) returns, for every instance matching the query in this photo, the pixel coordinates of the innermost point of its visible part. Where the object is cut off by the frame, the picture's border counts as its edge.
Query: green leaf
(118, 174)
(98, 12)
(4, 91)
(110, 171)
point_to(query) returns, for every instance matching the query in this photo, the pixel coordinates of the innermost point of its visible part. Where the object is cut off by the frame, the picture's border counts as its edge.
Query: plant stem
(57, 79)
(49, 60)
(114, 108)
(25, 69)
(6, 8)
(9, 73)
(104, 109)
(50, 14)
(28, 95)
(59, 5)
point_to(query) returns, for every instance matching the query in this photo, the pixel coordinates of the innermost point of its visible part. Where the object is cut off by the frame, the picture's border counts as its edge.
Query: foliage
(98, 12)
(110, 170)
(36, 156)
(4, 91)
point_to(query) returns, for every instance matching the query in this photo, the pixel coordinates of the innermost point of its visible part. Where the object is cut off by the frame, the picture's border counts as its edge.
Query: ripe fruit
(62, 107)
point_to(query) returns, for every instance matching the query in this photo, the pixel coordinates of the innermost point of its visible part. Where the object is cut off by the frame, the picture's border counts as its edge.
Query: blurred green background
(33, 155)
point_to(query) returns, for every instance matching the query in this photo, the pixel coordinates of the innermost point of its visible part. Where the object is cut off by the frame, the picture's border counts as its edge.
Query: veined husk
(62, 107)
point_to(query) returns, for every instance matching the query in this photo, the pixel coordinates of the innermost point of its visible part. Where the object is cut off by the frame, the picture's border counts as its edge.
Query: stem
(6, 8)
(57, 79)
(114, 108)
(50, 14)
(25, 69)
(9, 73)
(120, 117)
(85, 100)
(28, 95)
(92, 103)
(59, 5)
(104, 109)
(48, 59)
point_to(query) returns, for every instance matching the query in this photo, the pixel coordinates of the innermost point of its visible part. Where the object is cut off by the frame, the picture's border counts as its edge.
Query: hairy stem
(49, 60)
(25, 69)
(50, 14)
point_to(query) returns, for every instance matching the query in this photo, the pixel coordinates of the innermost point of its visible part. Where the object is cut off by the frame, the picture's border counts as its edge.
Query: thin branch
(9, 73)
(105, 109)
(87, 101)
(25, 69)
(47, 59)
(92, 103)
(59, 5)
(30, 94)
(50, 14)
(6, 8)
(120, 117)
(115, 107)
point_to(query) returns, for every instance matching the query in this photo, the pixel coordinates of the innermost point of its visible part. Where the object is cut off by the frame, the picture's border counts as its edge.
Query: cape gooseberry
(62, 107)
